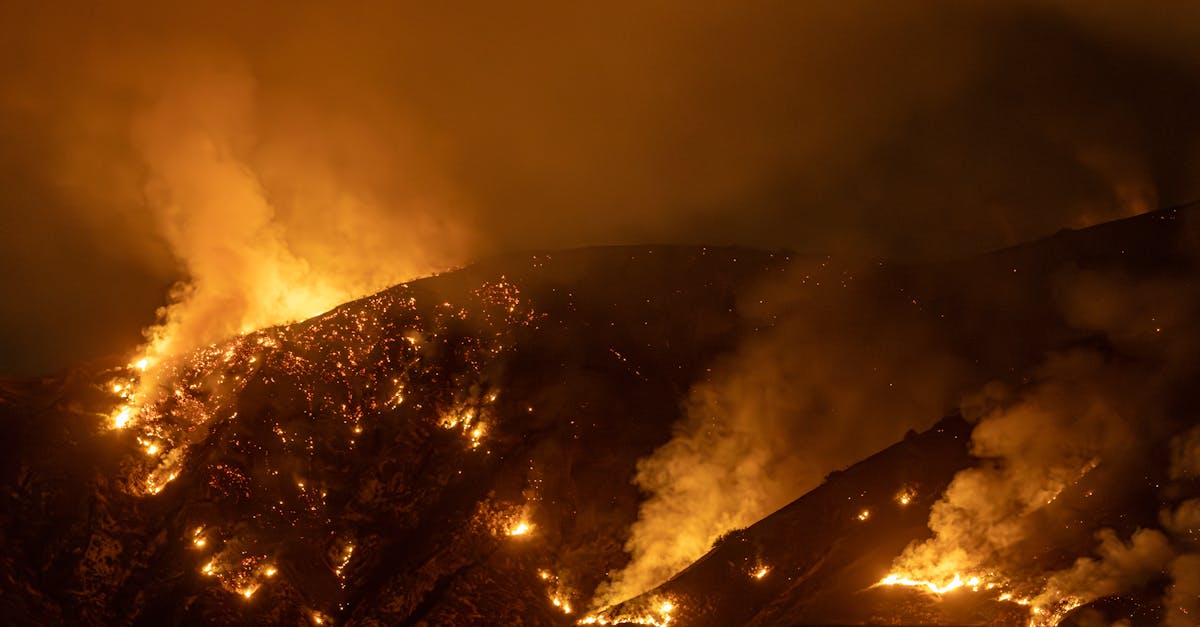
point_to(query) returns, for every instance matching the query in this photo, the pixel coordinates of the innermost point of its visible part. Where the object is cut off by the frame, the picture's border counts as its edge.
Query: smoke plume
(1088, 414)
(259, 248)
(839, 374)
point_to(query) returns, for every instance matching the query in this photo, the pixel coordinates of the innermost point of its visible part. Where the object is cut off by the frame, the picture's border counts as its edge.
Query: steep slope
(821, 559)
(370, 464)
(460, 449)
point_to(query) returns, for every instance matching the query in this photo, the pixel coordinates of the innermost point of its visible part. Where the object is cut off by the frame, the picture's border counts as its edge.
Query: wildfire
(347, 553)
(937, 588)
(1038, 616)
(659, 616)
(167, 403)
(122, 416)
(557, 594)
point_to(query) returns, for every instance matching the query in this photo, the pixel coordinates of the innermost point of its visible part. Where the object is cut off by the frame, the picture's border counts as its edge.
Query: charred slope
(374, 464)
(458, 450)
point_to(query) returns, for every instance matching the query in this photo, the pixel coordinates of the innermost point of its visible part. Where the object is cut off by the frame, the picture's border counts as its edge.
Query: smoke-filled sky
(281, 156)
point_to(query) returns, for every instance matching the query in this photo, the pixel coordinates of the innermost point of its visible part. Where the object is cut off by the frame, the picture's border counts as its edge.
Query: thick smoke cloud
(837, 373)
(422, 137)
(260, 251)
(1101, 415)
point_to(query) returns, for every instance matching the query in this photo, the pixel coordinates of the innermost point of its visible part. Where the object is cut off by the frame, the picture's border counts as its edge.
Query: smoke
(260, 248)
(1088, 414)
(1185, 455)
(1119, 566)
(1182, 603)
(836, 373)
(421, 137)
(1033, 448)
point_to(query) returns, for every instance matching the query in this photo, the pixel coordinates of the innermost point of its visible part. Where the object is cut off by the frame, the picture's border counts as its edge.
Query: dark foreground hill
(459, 450)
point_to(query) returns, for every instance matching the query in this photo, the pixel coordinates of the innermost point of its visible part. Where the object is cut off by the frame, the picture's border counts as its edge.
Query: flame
(957, 582)
(122, 416)
(761, 572)
(657, 612)
(520, 528)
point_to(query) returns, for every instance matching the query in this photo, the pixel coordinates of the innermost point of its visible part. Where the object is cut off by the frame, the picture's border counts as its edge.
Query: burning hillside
(601, 437)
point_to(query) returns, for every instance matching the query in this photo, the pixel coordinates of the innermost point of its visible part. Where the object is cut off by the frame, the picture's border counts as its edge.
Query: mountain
(461, 449)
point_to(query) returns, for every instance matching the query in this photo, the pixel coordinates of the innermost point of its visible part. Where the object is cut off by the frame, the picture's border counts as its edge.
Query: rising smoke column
(1095, 413)
(266, 230)
(836, 373)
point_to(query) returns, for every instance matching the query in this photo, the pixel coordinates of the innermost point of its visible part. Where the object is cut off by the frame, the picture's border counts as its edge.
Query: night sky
(259, 151)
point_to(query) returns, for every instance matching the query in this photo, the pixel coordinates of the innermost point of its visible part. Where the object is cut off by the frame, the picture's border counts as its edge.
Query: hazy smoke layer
(841, 374)
(417, 136)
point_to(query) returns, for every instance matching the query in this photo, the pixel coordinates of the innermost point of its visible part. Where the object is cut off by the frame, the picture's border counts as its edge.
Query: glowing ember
(519, 529)
(863, 515)
(906, 496)
(761, 572)
(249, 591)
(347, 553)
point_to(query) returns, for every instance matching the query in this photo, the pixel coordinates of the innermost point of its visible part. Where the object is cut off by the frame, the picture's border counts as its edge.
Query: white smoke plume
(827, 385)
(267, 229)
(1117, 567)
(1085, 411)
(1033, 449)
